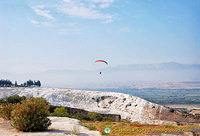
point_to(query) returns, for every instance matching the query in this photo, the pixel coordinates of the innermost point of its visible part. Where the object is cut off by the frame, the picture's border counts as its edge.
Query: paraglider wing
(101, 61)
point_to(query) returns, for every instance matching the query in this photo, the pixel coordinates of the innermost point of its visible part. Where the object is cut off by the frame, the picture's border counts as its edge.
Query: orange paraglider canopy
(101, 61)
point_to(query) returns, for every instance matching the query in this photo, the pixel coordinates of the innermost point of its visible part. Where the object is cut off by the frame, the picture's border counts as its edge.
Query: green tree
(16, 84)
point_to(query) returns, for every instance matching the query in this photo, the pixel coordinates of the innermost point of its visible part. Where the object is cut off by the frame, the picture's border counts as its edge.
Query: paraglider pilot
(101, 61)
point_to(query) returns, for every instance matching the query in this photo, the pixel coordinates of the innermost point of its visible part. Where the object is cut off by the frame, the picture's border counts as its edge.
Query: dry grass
(76, 130)
(128, 129)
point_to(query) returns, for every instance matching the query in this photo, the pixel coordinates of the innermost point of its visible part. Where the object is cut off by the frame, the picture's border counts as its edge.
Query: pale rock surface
(61, 126)
(129, 107)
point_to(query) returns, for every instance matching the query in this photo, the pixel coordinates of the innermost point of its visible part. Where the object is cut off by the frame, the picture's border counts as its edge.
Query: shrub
(107, 119)
(51, 108)
(82, 116)
(110, 102)
(171, 110)
(15, 99)
(5, 110)
(124, 99)
(60, 112)
(95, 116)
(92, 116)
(98, 100)
(2, 101)
(169, 126)
(31, 115)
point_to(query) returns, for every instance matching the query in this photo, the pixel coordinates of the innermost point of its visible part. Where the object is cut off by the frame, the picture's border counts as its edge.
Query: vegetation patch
(31, 115)
(110, 102)
(25, 114)
(76, 130)
(129, 129)
(88, 116)
(8, 104)
(124, 99)
(60, 112)
(171, 110)
(12, 99)
(5, 110)
(91, 116)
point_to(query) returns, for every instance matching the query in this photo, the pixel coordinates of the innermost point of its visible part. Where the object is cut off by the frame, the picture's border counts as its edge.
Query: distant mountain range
(159, 66)
(169, 72)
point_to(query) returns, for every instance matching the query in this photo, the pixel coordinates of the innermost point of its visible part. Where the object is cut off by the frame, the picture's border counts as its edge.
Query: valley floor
(187, 106)
(191, 108)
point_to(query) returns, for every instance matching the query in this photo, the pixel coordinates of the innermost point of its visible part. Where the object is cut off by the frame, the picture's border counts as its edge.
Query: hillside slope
(129, 107)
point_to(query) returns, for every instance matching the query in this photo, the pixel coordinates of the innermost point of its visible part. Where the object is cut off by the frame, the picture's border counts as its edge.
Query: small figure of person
(100, 73)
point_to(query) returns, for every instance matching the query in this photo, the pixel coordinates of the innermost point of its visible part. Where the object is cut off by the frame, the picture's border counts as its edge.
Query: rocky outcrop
(131, 108)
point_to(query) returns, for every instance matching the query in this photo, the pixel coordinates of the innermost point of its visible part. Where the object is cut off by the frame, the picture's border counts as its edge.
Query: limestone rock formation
(130, 107)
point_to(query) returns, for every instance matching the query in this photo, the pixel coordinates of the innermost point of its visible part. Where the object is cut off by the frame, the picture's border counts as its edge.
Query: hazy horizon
(112, 76)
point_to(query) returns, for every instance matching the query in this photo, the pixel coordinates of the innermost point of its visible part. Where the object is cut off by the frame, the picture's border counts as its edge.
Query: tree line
(29, 83)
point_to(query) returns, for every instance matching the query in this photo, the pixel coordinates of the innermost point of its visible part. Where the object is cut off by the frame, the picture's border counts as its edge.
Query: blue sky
(42, 35)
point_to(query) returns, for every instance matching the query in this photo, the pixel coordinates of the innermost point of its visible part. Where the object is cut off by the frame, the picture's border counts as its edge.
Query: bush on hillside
(60, 112)
(15, 99)
(51, 108)
(31, 115)
(95, 116)
(12, 99)
(109, 119)
(81, 116)
(5, 110)
(172, 110)
(92, 116)
(2, 101)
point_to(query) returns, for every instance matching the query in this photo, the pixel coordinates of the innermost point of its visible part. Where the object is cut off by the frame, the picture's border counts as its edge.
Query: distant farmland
(162, 96)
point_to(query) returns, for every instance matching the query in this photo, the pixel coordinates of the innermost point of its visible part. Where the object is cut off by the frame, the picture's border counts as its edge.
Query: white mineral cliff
(129, 107)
